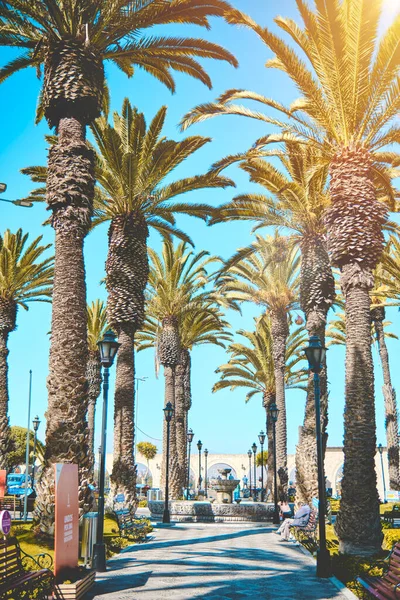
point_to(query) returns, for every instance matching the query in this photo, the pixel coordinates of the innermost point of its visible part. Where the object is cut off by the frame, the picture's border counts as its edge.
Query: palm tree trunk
(389, 394)
(8, 315)
(306, 450)
(280, 332)
(70, 192)
(268, 399)
(358, 523)
(94, 383)
(180, 420)
(175, 478)
(124, 470)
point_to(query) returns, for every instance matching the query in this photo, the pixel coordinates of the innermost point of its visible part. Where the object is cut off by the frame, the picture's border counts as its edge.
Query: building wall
(240, 462)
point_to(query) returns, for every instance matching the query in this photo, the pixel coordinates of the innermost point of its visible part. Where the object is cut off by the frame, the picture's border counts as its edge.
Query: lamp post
(254, 448)
(168, 412)
(36, 423)
(108, 348)
(205, 472)
(380, 450)
(28, 435)
(25, 203)
(199, 447)
(190, 436)
(261, 437)
(273, 411)
(315, 354)
(249, 455)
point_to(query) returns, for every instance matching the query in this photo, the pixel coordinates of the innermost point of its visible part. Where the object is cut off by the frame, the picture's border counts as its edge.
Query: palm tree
(176, 288)
(72, 40)
(97, 326)
(251, 366)
(297, 204)
(349, 99)
(203, 324)
(266, 273)
(25, 276)
(133, 162)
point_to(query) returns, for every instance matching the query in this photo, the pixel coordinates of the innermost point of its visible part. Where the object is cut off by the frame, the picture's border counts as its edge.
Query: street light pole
(36, 423)
(205, 472)
(380, 450)
(315, 355)
(190, 436)
(168, 412)
(24, 203)
(261, 437)
(273, 412)
(108, 348)
(249, 455)
(27, 448)
(199, 447)
(254, 448)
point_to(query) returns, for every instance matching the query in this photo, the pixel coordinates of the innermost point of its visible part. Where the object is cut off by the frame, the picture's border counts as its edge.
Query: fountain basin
(205, 512)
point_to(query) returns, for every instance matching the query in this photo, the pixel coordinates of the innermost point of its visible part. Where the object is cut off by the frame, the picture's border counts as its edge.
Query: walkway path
(214, 562)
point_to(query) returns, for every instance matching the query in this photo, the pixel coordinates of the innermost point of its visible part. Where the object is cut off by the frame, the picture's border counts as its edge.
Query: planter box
(75, 591)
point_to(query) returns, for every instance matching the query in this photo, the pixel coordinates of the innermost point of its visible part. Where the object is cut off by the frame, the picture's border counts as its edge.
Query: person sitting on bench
(300, 519)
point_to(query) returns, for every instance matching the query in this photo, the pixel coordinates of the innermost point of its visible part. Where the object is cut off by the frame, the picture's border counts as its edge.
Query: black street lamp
(249, 455)
(273, 413)
(254, 448)
(36, 423)
(205, 472)
(261, 437)
(380, 450)
(108, 348)
(168, 413)
(199, 447)
(25, 203)
(315, 354)
(189, 436)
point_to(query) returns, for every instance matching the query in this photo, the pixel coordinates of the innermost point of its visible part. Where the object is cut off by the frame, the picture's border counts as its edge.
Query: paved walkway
(213, 562)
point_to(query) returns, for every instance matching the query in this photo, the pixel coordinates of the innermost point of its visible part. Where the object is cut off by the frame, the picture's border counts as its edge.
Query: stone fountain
(225, 487)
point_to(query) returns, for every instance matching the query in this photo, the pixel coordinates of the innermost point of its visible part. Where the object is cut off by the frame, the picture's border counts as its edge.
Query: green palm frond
(97, 323)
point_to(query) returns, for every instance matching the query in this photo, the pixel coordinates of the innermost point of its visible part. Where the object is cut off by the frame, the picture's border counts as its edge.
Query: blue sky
(222, 421)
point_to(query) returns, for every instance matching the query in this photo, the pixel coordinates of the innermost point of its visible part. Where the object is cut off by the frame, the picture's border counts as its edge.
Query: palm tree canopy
(266, 272)
(97, 323)
(348, 81)
(336, 331)
(251, 364)
(24, 275)
(110, 30)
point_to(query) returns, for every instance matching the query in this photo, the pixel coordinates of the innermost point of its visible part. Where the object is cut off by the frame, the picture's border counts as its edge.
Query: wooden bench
(10, 504)
(306, 532)
(386, 587)
(14, 577)
(127, 524)
(390, 515)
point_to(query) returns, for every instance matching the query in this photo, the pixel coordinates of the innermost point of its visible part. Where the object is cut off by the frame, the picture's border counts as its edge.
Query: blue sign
(119, 498)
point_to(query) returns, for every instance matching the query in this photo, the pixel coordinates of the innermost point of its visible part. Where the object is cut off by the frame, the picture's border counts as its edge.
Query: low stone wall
(207, 512)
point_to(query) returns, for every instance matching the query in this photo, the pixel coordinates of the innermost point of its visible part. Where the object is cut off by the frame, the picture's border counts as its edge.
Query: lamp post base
(275, 519)
(166, 517)
(324, 568)
(99, 557)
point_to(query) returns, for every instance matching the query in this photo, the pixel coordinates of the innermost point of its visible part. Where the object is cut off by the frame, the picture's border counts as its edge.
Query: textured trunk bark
(94, 388)
(268, 399)
(5, 439)
(124, 470)
(180, 420)
(175, 475)
(358, 523)
(280, 332)
(389, 394)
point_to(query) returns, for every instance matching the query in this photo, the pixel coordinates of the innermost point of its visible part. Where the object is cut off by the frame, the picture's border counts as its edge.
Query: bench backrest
(312, 521)
(394, 560)
(10, 560)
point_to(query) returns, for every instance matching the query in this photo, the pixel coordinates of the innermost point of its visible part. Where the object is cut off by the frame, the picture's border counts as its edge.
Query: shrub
(143, 503)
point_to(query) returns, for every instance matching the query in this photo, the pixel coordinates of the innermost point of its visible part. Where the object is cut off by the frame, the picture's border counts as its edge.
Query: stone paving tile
(213, 562)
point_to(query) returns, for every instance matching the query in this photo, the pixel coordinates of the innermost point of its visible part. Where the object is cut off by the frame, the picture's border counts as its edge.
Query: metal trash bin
(89, 533)
(154, 494)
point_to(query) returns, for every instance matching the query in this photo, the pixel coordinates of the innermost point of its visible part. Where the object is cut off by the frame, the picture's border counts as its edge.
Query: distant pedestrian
(285, 510)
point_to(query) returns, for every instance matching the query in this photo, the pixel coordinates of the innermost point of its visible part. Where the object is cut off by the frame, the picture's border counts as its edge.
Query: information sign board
(66, 542)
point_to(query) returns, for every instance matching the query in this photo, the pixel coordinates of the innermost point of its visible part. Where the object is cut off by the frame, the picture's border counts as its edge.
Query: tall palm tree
(133, 162)
(266, 273)
(71, 41)
(97, 326)
(349, 89)
(25, 276)
(251, 366)
(177, 287)
(297, 204)
(203, 324)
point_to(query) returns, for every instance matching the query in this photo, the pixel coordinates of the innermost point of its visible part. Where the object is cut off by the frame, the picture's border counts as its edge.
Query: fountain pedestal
(225, 487)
